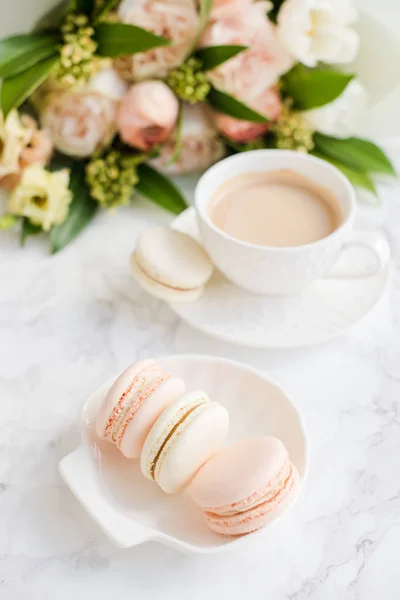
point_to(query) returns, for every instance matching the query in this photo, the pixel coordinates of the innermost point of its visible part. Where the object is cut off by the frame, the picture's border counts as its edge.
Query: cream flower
(318, 30)
(108, 83)
(42, 197)
(201, 145)
(80, 122)
(176, 20)
(341, 117)
(13, 139)
(254, 70)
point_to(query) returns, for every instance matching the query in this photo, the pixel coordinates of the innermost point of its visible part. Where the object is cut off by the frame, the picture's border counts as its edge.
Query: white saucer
(325, 310)
(143, 512)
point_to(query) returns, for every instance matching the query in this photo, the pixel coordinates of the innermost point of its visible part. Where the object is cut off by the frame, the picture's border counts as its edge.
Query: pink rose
(201, 145)
(267, 104)
(147, 114)
(80, 122)
(223, 8)
(176, 20)
(254, 70)
(40, 147)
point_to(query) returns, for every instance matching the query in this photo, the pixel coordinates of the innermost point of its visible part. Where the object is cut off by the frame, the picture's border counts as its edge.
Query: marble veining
(70, 321)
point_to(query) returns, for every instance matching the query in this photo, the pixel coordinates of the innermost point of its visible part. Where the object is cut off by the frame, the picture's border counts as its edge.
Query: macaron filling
(142, 385)
(260, 510)
(160, 282)
(171, 431)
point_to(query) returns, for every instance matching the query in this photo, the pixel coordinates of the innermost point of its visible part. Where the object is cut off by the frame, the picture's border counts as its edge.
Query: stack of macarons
(170, 265)
(178, 437)
(147, 414)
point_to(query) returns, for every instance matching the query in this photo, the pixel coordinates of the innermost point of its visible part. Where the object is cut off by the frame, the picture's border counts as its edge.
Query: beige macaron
(170, 265)
(184, 436)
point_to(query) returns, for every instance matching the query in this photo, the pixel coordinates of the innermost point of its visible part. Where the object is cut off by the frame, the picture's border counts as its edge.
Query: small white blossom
(318, 30)
(341, 117)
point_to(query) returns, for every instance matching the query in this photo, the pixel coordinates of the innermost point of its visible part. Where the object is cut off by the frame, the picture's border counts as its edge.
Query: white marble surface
(69, 321)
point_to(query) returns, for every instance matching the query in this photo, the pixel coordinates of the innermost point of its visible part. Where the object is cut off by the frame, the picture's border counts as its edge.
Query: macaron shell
(163, 426)
(260, 516)
(118, 388)
(238, 472)
(173, 258)
(199, 438)
(161, 291)
(138, 429)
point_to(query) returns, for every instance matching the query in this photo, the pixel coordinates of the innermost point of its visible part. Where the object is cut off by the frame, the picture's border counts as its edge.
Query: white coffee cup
(276, 270)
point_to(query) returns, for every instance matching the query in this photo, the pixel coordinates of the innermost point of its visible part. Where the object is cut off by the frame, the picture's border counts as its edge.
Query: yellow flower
(42, 197)
(13, 139)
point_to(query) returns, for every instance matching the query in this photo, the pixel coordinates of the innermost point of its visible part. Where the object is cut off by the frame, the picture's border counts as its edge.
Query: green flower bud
(292, 132)
(77, 52)
(112, 177)
(189, 82)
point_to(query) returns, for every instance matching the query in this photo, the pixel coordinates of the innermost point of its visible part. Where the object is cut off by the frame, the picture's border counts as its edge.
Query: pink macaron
(134, 402)
(246, 485)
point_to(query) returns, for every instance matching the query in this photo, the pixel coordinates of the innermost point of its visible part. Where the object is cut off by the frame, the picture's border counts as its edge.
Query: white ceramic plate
(143, 512)
(325, 310)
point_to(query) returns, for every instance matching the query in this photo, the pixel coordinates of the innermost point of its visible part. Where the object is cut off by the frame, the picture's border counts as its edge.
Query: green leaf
(230, 106)
(28, 229)
(20, 52)
(355, 152)
(55, 16)
(7, 221)
(18, 88)
(85, 6)
(179, 137)
(160, 189)
(273, 14)
(81, 211)
(105, 9)
(311, 88)
(205, 7)
(356, 177)
(213, 56)
(119, 39)
(62, 161)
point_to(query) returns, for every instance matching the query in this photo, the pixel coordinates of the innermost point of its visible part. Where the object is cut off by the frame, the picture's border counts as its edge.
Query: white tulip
(341, 117)
(318, 30)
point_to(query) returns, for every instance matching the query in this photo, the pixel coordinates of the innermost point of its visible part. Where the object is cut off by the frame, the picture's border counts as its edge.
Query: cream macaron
(246, 485)
(170, 265)
(134, 402)
(181, 440)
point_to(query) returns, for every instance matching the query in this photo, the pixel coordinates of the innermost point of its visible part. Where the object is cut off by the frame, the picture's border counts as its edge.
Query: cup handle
(375, 244)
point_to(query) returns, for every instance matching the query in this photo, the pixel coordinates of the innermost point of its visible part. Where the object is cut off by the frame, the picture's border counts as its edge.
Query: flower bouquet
(106, 97)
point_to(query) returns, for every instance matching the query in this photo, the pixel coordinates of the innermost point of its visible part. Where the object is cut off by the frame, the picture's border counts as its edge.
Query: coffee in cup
(281, 208)
(275, 221)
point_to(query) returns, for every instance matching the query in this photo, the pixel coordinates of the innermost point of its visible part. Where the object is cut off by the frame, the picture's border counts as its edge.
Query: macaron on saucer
(182, 439)
(131, 510)
(170, 265)
(245, 485)
(134, 401)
